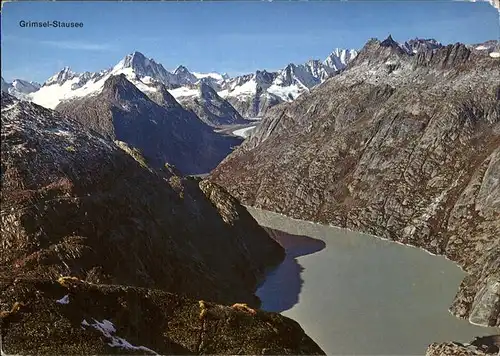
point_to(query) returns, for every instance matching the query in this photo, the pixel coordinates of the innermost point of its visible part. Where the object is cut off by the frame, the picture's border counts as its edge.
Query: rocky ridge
(211, 108)
(107, 255)
(19, 88)
(157, 125)
(402, 146)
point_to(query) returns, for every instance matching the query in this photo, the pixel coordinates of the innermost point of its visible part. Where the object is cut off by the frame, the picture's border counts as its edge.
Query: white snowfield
(183, 92)
(244, 132)
(288, 93)
(108, 330)
(215, 76)
(51, 95)
(240, 91)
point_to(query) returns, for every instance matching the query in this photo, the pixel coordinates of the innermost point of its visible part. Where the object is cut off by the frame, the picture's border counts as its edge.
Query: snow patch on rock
(108, 329)
(63, 300)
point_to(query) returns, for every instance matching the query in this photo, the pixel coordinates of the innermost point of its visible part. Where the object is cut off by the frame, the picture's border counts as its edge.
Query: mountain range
(171, 117)
(111, 248)
(145, 73)
(251, 94)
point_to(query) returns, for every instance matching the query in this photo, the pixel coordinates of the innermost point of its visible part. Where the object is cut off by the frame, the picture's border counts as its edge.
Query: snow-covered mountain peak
(20, 88)
(24, 86)
(137, 65)
(135, 60)
(339, 58)
(183, 76)
(213, 75)
(300, 75)
(61, 77)
(181, 69)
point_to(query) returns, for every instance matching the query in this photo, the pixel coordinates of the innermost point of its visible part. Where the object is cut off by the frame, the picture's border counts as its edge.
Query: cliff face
(76, 204)
(405, 147)
(255, 106)
(211, 108)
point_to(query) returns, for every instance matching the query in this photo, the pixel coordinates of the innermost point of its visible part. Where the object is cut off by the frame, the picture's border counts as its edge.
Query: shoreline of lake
(360, 283)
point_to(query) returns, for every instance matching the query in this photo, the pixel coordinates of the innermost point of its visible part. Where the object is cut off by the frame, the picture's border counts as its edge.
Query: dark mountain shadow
(281, 289)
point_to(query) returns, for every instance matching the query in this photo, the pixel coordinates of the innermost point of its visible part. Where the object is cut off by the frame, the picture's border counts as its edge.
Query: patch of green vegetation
(71, 149)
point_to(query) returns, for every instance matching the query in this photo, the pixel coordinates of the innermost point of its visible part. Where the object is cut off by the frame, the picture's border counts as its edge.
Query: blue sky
(234, 37)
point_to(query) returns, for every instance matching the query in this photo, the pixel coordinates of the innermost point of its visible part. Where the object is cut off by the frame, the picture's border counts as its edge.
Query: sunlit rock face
(400, 145)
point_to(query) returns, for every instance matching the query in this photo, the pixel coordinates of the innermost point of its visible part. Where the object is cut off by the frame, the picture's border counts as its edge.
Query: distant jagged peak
(184, 76)
(136, 59)
(490, 47)
(410, 47)
(416, 52)
(61, 77)
(263, 76)
(431, 41)
(417, 45)
(339, 58)
(181, 69)
(389, 49)
(389, 42)
(144, 67)
(395, 47)
(20, 83)
(20, 88)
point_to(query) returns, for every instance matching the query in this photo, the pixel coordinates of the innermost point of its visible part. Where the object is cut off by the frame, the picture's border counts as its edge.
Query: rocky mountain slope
(78, 206)
(400, 145)
(481, 346)
(211, 108)
(163, 130)
(95, 319)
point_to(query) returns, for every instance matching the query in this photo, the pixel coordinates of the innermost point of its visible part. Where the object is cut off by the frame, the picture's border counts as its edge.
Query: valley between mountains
(124, 193)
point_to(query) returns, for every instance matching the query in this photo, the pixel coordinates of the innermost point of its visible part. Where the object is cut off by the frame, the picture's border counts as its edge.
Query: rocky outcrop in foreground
(481, 346)
(401, 146)
(73, 317)
(77, 205)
